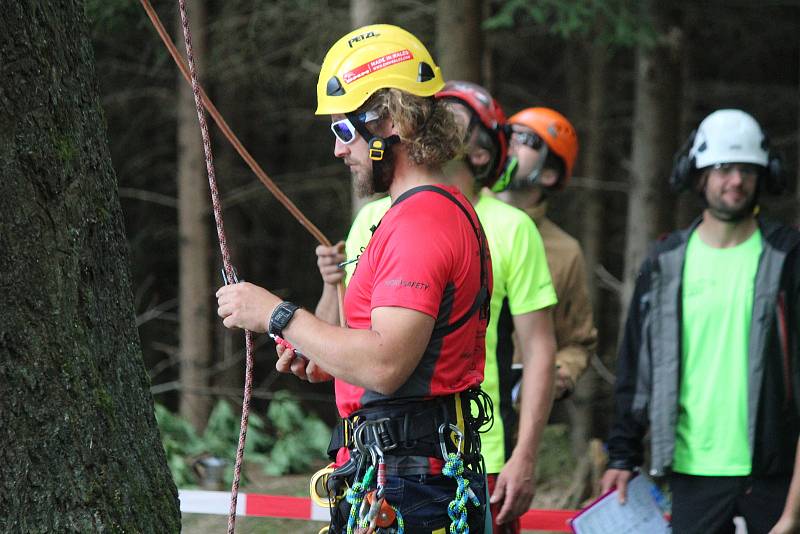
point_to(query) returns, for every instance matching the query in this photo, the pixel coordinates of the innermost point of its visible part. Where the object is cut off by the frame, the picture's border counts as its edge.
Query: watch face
(281, 317)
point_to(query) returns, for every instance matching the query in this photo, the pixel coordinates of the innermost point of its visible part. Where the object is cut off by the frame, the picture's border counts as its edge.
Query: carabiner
(443, 444)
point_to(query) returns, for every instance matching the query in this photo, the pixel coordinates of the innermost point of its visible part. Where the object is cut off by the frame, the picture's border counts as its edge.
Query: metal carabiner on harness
(443, 443)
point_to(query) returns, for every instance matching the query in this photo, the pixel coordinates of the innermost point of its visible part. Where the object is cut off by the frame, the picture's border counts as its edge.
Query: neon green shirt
(717, 305)
(520, 276)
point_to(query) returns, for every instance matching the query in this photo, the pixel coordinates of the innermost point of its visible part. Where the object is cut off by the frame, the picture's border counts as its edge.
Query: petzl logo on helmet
(361, 37)
(377, 64)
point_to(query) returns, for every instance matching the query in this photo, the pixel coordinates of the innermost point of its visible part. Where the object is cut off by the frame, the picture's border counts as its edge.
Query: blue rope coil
(457, 509)
(355, 496)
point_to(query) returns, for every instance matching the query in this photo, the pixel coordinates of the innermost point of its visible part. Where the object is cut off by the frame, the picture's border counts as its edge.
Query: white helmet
(729, 136)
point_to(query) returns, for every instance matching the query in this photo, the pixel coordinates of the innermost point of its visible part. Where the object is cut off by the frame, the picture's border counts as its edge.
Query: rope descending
(230, 272)
(237, 144)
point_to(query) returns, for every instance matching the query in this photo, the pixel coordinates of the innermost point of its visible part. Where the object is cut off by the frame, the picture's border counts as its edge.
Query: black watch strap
(281, 316)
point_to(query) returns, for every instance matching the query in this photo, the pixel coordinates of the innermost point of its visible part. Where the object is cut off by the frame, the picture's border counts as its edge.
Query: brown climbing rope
(226, 262)
(201, 103)
(237, 144)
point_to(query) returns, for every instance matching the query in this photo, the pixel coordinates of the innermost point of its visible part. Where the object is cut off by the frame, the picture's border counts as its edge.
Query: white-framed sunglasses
(344, 129)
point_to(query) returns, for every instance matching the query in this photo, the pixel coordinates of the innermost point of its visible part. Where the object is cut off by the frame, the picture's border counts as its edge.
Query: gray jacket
(648, 365)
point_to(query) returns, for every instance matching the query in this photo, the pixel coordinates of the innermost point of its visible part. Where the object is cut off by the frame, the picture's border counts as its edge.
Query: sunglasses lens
(343, 130)
(528, 139)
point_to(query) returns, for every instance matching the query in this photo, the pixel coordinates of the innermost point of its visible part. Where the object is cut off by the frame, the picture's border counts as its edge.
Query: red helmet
(487, 111)
(556, 131)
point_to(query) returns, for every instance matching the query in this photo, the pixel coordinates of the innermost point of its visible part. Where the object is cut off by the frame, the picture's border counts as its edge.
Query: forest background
(634, 77)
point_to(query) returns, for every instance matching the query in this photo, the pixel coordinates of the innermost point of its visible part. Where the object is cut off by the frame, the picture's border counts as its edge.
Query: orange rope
(231, 137)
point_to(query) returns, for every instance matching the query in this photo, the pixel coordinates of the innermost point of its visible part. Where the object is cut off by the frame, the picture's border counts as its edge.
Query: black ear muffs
(683, 166)
(774, 178)
(775, 182)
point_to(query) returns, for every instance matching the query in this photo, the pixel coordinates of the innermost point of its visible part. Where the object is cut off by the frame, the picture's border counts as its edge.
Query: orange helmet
(556, 131)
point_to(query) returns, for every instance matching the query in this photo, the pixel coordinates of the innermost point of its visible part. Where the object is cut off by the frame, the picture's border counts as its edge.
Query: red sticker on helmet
(377, 64)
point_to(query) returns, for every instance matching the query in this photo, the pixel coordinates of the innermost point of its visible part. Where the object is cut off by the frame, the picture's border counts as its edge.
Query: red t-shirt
(424, 256)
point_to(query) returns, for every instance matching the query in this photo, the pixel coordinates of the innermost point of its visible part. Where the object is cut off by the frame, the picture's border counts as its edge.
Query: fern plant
(289, 440)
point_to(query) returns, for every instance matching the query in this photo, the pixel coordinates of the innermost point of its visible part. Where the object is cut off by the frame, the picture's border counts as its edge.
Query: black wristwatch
(281, 316)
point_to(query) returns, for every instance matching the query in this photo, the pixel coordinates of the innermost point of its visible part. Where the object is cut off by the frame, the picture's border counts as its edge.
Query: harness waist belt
(409, 428)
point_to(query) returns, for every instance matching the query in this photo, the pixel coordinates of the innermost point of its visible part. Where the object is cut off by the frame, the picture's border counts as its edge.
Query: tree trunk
(81, 450)
(688, 203)
(584, 401)
(193, 239)
(797, 181)
(655, 127)
(459, 39)
(593, 151)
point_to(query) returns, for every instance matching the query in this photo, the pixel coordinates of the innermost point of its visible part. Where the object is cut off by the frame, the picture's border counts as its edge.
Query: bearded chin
(735, 215)
(364, 185)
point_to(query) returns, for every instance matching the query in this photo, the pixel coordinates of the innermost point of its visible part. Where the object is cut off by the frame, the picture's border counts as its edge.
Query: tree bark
(584, 401)
(81, 449)
(593, 150)
(797, 180)
(193, 239)
(655, 132)
(459, 39)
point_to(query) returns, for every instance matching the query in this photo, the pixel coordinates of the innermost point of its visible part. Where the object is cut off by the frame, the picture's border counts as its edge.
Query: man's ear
(548, 178)
(479, 157)
(389, 126)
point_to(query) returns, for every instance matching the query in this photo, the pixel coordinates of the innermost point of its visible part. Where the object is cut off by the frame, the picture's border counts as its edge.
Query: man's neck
(524, 199)
(457, 173)
(725, 234)
(408, 175)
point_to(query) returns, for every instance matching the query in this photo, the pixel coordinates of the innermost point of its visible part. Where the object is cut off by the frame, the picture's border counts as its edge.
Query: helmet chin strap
(502, 183)
(377, 148)
(533, 176)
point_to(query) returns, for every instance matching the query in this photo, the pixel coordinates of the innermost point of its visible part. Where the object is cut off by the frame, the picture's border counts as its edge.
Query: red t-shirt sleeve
(412, 259)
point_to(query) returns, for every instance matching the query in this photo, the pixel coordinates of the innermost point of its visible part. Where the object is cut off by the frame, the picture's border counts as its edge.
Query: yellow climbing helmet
(374, 57)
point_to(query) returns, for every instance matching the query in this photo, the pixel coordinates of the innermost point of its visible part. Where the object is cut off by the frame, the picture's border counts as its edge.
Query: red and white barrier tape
(280, 506)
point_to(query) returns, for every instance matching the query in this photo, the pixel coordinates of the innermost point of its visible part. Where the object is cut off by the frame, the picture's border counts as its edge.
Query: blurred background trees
(634, 78)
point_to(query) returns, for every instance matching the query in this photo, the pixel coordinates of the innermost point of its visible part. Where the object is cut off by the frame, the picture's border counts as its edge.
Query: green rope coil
(355, 495)
(457, 509)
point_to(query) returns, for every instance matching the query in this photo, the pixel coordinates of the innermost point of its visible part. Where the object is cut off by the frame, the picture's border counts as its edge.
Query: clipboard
(640, 514)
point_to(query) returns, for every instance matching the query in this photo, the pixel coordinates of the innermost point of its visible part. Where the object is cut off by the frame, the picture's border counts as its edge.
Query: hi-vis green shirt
(521, 282)
(717, 306)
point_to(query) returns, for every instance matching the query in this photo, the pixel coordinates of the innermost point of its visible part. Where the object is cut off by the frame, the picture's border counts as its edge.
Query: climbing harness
(421, 427)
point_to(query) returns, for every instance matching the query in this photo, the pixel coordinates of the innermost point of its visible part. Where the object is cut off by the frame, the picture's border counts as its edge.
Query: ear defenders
(684, 168)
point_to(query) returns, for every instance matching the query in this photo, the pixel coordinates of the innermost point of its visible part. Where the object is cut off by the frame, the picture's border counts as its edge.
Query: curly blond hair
(428, 129)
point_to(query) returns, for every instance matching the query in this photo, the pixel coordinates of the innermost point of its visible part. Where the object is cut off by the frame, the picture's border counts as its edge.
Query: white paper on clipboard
(640, 514)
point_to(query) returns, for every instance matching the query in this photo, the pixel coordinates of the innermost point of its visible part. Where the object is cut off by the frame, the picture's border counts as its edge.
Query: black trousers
(707, 505)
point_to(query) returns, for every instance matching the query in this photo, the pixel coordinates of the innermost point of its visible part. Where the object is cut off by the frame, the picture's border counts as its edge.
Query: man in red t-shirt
(408, 367)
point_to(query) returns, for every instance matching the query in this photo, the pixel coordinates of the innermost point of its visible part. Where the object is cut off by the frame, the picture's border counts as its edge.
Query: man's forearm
(328, 305)
(537, 398)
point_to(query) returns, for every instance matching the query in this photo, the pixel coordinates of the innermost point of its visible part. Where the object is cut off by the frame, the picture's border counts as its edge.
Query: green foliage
(289, 440)
(113, 15)
(299, 439)
(616, 22)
